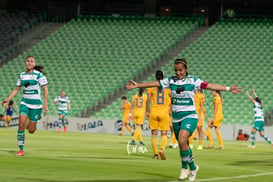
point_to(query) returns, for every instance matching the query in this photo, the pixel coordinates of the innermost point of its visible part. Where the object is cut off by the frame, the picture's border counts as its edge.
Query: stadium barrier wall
(113, 126)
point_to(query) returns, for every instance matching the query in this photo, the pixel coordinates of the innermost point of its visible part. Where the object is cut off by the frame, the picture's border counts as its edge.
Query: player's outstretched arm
(234, 89)
(250, 98)
(132, 84)
(253, 91)
(13, 93)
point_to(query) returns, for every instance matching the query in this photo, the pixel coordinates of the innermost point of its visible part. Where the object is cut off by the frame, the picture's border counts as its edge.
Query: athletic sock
(154, 144)
(136, 133)
(173, 139)
(191, 161)
(252, 138)
(266, 138)
(21, 139)
(129, 128)
(122, 130)
(186, 158)
(204, 132)
(200, 141)
(163, 142)
(219, 137)
(60, 122)
(210, 136)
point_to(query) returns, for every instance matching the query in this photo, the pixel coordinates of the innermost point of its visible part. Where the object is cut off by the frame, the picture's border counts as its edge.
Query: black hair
(124, 97)
(11, 102)
(140, 92)
(182, 61)
(259, 100)
(37, 67)
(159, 76)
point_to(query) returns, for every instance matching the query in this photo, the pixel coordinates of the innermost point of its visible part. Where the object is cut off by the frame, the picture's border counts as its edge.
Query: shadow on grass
(253, 163)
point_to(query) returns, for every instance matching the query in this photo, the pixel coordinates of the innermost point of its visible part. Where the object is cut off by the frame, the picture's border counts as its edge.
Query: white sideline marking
(233, 177)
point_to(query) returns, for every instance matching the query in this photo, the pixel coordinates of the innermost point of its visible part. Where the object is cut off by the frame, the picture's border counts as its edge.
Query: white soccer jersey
(31, 83)
(63, 103)
(183, 105)
(258, 112)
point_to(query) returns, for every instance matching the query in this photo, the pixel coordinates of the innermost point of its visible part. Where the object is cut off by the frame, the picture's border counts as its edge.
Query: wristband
(227, 88)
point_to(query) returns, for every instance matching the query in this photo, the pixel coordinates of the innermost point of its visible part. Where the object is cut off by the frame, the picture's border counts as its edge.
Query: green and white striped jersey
(63, 103)
(183, 105)
(31, 83)
(258, 112)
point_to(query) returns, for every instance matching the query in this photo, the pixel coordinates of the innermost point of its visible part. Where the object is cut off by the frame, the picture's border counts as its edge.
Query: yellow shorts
(159, 121)
(218, 122)
(8, 118)
(138, 119)
(126, 119)
(201, 120)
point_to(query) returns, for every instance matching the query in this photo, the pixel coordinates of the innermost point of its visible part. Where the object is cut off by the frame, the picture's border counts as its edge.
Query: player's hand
(236, 90)
(131, 85)
(45, 110)
(253, 90)
(4, 102)
(147, 115)
(247, 93)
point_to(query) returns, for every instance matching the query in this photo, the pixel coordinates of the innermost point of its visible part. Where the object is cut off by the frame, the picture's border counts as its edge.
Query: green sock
(60, 122)
(191, 161)
(184, 155)
(21, 139)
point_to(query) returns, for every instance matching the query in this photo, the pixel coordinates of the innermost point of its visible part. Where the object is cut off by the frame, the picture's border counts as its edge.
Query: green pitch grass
(83, 157)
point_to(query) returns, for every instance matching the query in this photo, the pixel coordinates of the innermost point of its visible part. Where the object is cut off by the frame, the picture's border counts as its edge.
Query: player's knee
(31, 130)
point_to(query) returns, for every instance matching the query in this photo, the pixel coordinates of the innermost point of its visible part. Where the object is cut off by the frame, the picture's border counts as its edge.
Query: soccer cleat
(193, 174)
(251, 146)
(183, 174)
(208, 147)
(170, 145)
(175, 145)
(141, 143)
(131, 148)
(161, 153)
(59, 130)
(65, 129)
(200, 147)
(20, 153)
(191, 146)
(132, 134)
(220, 148)
(133, 142)
(155, 156)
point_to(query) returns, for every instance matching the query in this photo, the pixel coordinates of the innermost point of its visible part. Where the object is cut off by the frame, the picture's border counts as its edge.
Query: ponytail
(159, 76)
(39, 68)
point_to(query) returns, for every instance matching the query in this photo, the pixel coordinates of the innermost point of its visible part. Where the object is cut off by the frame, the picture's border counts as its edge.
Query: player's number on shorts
(160, 98)
(139, 102)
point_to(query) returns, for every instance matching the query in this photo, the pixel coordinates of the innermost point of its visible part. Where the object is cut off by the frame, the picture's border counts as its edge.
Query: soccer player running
(31, 105)
(259, 119)
(138, 109)
(64, 106)
(9, 112)
(126, 106)
(216, 120)
(158, 115)
(184, 115)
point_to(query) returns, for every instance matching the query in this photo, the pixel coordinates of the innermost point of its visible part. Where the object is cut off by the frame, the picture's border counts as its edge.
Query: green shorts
(188, 124)
(33, 114)
(62, 113)
(259, 125)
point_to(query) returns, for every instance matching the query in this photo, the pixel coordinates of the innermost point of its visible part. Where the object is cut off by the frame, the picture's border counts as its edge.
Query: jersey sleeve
(19, 83)
(42, 79)
(165, 83)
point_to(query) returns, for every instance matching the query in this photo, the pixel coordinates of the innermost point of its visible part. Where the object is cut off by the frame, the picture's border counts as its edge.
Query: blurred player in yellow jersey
(199, 100)
(158, 115)
(216, 120)
(126, 107)
(138, 109)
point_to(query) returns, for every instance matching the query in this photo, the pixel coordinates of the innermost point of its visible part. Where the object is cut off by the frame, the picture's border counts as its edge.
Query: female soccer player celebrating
(158, 115)
(31, 105)
(259, 119)
(184, 115)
